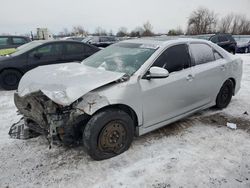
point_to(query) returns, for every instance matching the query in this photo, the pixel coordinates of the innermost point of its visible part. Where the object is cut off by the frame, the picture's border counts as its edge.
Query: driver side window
(48, 50)
(174, 59)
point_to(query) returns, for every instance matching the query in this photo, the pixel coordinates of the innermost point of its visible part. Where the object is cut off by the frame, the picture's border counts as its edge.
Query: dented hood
(65, 83)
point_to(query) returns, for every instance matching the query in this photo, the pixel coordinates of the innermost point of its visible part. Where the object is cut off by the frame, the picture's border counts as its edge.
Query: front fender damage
(92, 102)
(56, 122)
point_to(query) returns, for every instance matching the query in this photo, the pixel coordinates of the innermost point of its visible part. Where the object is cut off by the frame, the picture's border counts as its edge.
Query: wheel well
(124, 108)
(234, 83)
(15, 69)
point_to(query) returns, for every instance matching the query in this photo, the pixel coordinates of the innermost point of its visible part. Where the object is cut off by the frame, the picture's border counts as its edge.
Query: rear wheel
(225, 95)
(10, 79)
(108, 133)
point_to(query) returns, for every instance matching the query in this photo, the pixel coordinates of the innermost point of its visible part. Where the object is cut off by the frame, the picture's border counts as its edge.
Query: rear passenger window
(202, 53)
(174, 59)
(3, 41)
(19, 41)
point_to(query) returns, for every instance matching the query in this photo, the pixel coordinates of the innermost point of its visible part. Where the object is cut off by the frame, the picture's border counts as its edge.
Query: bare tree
(148, 29)
(111, 33)
(100, 32)
(78, 30)
(235, 24)
(202, 21)
(122, 32)
(225, 23)
(65, 31)
(177, 31)
(137, 32)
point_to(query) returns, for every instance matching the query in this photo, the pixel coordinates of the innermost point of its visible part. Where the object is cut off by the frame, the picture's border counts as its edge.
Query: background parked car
(9, 43)
(38, 53)
(243, 45)
(74, 38)
(100, 41)
(225, 41)
(12, 41)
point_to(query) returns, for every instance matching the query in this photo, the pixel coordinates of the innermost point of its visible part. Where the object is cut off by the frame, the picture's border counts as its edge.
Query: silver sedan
(126, 90)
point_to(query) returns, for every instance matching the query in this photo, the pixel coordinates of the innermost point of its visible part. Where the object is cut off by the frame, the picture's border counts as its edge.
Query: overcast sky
(23, 16)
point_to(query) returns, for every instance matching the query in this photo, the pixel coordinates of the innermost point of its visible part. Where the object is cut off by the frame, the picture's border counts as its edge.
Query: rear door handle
(190, 77)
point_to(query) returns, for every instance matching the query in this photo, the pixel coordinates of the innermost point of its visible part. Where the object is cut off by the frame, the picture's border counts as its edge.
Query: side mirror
(156, 73)
(38, 55)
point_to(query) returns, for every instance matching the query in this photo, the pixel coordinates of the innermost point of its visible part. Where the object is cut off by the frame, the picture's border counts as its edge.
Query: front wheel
(108, 133)
(225, 95)
(10, 79)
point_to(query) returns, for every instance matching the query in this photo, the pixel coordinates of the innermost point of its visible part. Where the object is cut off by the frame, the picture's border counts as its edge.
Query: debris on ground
(20, 131)
(232, 126)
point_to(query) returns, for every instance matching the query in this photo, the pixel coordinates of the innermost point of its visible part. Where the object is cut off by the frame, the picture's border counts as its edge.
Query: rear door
(209, 72)
(45, 55)
(169, 97)
(77, 52)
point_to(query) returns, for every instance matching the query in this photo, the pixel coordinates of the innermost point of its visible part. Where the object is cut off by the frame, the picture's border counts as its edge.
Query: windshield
(121, 57)
(26, 47)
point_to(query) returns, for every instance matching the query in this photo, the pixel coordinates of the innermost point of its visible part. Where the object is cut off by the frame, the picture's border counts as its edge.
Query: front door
(45, 55)
(166, 98)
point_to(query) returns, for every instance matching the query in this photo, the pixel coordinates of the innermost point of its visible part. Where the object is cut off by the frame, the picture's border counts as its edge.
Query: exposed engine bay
(43, 116)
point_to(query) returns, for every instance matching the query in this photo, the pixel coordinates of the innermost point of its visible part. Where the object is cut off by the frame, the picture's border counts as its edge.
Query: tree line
(205, 21)
(200, 21)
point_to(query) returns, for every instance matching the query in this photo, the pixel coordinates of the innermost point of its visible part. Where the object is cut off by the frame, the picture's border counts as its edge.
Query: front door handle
(190, 77)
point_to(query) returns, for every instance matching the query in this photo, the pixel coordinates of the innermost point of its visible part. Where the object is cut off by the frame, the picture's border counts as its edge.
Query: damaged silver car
(126, 90)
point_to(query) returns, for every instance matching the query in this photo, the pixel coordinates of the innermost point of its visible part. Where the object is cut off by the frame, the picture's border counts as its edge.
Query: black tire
(10, 79)
(108, 133)
(225, 95)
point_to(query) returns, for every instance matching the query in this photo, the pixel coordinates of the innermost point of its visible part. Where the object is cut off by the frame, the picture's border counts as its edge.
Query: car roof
(13, 36)
(57, 41)
(163, 41)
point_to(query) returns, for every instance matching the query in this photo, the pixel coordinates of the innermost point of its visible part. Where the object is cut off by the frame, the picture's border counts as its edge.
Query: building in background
(44, 34)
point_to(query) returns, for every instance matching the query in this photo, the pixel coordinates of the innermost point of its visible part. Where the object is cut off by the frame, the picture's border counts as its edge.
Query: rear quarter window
(202, 53)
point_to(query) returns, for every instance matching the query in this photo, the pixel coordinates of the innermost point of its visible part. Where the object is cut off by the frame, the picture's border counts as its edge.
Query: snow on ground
(199, 151)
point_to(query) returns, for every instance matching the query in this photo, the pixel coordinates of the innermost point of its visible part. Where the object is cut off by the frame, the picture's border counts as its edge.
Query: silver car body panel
(65, 83)
(156, 102)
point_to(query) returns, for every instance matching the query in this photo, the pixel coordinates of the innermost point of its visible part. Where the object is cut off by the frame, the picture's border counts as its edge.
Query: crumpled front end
(44, 116)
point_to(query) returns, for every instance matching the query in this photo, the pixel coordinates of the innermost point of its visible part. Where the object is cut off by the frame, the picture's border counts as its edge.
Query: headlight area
(56, 122)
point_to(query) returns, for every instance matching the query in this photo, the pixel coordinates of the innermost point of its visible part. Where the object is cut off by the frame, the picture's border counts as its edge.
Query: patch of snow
(189, 153)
